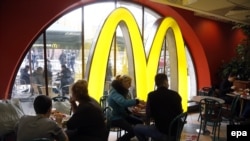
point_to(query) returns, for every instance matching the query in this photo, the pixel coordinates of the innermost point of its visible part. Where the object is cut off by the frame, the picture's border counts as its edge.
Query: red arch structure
(22, 21)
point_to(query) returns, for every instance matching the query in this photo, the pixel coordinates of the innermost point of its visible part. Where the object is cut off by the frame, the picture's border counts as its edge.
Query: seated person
(118, 100)
(37, 77)
(87, 122)
(40, 126)
(163, 105)
(227, 86)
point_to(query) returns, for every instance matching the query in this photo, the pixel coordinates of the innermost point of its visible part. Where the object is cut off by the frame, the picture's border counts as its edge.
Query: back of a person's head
(80, 90)
(42, 104)
(123, 78)
(160, 79)
(232, 74)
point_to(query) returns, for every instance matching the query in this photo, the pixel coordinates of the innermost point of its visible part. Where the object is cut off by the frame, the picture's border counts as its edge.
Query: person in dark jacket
(87, 122)
(227, 86)
(162, 106)
(119, 102)
(25, 76)
(66, 79)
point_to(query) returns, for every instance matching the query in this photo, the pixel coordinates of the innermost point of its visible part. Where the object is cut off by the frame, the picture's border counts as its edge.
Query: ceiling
(237, 11)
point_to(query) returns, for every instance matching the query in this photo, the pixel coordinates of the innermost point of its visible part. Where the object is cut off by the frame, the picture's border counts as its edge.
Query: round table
(199, 98)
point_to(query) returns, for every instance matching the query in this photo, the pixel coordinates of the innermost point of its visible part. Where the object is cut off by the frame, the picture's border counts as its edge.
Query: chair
(231, 113)
(103, 101)
(62, 104)
(210, 111)
(206, 91)
(107, 111)
(178, 122)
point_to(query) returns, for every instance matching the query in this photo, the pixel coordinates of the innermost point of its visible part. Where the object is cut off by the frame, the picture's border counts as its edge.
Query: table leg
(204, 130)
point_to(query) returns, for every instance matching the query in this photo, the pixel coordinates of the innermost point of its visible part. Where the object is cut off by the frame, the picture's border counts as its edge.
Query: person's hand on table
(142, 104)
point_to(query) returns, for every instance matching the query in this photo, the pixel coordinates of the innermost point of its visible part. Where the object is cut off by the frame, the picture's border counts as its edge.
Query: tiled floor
(189, 131)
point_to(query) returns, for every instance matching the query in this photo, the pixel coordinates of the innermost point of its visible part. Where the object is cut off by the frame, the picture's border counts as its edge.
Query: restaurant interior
(191, 41)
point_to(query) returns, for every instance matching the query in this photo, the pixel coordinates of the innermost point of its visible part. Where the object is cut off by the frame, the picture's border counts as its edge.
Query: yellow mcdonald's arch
(145, 70)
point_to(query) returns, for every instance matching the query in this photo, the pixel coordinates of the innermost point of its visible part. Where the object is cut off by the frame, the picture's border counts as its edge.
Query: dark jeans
(246, 111)
(127, 125)
(142, 133)
(228, 99)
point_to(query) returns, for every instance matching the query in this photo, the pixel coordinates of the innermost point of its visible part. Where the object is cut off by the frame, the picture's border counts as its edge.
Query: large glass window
(61, 53)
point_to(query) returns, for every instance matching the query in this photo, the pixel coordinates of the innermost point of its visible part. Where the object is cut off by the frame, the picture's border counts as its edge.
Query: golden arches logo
(145, 69)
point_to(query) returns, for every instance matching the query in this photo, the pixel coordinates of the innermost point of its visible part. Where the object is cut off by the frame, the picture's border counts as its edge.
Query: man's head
(42, 104)
(231, 77)
(161, 79)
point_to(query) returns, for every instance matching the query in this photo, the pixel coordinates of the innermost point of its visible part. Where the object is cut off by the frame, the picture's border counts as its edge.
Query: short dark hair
(42, 104)
(232, 74)
(160, 78)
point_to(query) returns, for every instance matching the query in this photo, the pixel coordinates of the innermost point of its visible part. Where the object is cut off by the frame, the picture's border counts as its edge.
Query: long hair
(80, 90)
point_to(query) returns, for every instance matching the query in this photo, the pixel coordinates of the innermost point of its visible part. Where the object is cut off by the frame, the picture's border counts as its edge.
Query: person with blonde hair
(87, 122)
(119, 102)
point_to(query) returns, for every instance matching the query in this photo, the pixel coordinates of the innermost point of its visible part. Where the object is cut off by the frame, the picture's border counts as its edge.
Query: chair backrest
(178, 121)
(104, 101)
(210, 110)
(62, 104)
(107, 112)
(207, 91)
(234, 105)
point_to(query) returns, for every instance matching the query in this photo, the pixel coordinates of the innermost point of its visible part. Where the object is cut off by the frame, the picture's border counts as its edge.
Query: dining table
(200, 97)
(140, 112)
